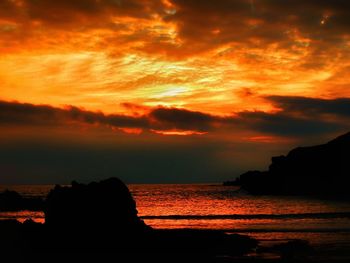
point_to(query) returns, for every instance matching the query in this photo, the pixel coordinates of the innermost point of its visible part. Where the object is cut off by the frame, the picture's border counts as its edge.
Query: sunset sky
(167, 90)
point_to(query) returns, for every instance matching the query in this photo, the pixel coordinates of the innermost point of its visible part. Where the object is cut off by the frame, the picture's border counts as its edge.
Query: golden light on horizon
(96, 80)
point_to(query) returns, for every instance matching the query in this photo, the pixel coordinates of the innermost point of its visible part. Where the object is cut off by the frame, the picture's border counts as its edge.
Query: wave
(252, 216)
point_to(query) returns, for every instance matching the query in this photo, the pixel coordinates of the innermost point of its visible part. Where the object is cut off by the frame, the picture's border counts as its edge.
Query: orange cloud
(217, 58)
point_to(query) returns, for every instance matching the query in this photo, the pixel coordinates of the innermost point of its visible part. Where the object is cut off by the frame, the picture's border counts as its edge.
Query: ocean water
(268, 218)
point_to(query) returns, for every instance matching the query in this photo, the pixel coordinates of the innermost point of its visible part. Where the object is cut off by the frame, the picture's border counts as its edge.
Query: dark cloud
(41, 24)
(58, 13)
(8, 9)
(298, 117)
(182, 119)
(301, 116)
(201, 25)
(30, 114)
(158, 118)
(309, 107)
(283, 124)
(244, 24)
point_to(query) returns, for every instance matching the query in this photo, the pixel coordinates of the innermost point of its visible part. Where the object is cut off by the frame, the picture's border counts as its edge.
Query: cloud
(30, 114)
(14, 113)
(312, 106)
(283, 124)
(78, 24)
(268, 21)
(301, 116)
(172, 118)
(179, 27)
(135, 51)
(297, 117)
(58, 13)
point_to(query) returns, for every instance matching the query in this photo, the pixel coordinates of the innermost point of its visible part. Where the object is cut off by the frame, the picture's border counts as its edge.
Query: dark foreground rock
(322, 170)
(293, 250)
(105, 206)
(101, 219)
(12, 201)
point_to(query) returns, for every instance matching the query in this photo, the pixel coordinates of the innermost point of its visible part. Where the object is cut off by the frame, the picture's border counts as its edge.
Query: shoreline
(267, 250)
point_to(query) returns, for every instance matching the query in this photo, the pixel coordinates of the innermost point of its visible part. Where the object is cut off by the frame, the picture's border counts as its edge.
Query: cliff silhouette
(321, 170)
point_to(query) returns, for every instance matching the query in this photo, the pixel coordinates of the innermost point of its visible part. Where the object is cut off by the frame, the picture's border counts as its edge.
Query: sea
(324, 223)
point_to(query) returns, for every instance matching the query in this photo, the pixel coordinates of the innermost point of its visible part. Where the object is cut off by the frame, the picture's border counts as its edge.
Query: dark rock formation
(96, 213)
(236, 182)
(12, 201)
(107, 204)
(291, 251)
(317, 170)
(202, 242)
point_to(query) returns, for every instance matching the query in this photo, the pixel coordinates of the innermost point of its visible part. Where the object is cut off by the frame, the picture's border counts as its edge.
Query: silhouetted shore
(23, 242)
(320, 171)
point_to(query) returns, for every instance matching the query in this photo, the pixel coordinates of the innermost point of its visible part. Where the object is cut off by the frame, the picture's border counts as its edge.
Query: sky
(167, 91)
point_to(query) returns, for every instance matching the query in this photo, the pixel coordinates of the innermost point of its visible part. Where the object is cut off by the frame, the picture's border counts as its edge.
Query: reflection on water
(225, 208)
(218, 207)
(22, 216)
(29, 190)
(218, 200)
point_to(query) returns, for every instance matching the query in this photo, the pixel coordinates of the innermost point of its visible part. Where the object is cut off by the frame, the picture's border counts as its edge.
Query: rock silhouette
(316, 170)
(291, 251)
(96, 213)
(12, 201)
(107, 204)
